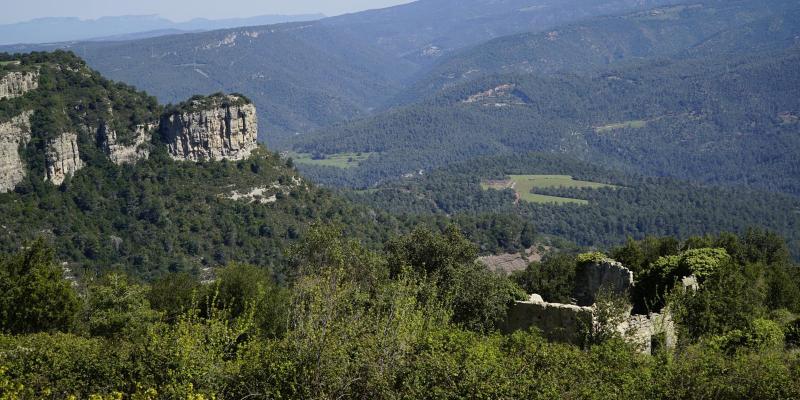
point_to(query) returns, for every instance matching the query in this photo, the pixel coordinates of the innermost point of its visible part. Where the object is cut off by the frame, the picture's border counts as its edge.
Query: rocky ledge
(15, 84)
(121, 153)
(211, 128)
(13, 134)
(63, 158)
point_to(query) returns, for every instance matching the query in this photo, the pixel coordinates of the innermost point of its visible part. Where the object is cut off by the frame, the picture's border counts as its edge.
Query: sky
(181, 10)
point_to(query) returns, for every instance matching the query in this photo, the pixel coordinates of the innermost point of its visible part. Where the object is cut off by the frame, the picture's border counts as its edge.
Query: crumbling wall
(590, 277)
(570, 323)
(558, 322)
(647, 332)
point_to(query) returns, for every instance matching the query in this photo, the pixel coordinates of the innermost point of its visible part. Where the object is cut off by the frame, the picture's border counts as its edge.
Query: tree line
(416, 319)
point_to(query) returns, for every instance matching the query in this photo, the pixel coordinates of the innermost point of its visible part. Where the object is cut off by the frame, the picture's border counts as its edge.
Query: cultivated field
(341, 160)
(525, 185)
(635, 124)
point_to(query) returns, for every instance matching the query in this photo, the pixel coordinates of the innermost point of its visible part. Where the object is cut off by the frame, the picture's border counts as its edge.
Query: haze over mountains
(49, 30)
(690, 30)
(307, 75)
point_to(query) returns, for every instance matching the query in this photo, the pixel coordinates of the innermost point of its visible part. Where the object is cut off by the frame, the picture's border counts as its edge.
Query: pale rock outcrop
(511, 262)
(215, 128)
(690, 283)
(120, 153)
(15, 84)
(13, 134)
(63, 158)
(261, 195)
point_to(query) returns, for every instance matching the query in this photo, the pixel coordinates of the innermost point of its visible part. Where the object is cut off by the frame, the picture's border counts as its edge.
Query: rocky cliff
(211, 128)
(63, 158)
(13, 134)
(15, 84)
(103, 117)
(126, 153)
(214, 128)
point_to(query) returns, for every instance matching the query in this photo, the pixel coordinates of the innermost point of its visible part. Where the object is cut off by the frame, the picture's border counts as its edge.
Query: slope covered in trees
(240, 279)
(724, 120)
(152, 216)
(693, 29)
(303, 76)
(638, 206)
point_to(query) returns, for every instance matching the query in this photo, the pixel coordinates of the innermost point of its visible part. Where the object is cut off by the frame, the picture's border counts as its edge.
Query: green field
(635, 124)
(341, 160)
(366, 191)
(525, 184)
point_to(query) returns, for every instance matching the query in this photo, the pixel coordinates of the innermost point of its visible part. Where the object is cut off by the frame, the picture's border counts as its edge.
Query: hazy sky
(180, 10)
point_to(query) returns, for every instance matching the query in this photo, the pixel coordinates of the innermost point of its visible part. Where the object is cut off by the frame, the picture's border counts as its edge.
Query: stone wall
(223, 127)
(15, 84)
(590, 277)
(645, 331)
(570, 323)
(558, 322)
(63, 158)
(13, 134)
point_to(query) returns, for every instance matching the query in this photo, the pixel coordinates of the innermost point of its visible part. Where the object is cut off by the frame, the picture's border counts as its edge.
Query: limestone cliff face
(15, 84)
(120, 153)
(214, 128)
(13, 134)
(207, 128)
(63, 158)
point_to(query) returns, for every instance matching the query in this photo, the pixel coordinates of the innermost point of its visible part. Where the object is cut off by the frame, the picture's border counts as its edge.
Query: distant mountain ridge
(64, 29)
(694, 29)
(308, 75)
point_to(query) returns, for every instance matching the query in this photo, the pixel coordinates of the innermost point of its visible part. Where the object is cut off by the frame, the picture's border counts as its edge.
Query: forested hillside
(423, 31)
(723, 120)
(150, 214)
(62, 29)
(635, 206)
(304, 76)
(694, 29)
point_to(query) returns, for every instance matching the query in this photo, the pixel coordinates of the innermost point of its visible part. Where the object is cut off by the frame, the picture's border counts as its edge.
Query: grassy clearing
(341, 160)
(4, 63)
(634, 124)
(366, 191)
(524, 185)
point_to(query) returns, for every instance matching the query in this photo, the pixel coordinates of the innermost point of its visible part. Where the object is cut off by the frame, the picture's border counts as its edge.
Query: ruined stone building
(571, 323)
